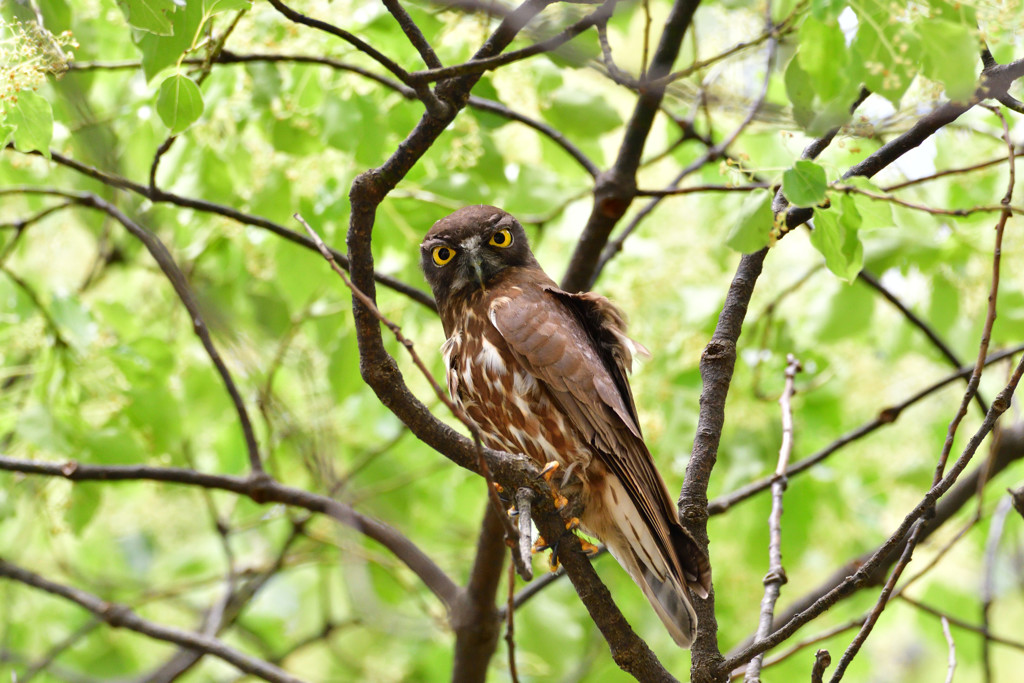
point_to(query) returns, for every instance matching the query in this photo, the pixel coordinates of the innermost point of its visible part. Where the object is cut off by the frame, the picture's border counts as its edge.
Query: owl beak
(478, 270)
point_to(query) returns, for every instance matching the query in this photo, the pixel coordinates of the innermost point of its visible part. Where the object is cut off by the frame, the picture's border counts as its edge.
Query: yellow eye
(442, 255)
(502, 238)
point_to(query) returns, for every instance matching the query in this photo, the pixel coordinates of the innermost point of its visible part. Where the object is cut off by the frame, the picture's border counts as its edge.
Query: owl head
(467, 250)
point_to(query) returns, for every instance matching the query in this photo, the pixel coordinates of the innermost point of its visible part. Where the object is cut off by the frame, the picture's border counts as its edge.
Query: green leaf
(835, 236)
(874, 213)
(886, 48)
(179, 103)
(148, 15)
(6, 132)
(753, 227)
(214, 6)
(811, 112)
(160, 52)
(85, 501)
(74, 321)
(32, 118)
(823, 56)
(950, 53)
(805, 184)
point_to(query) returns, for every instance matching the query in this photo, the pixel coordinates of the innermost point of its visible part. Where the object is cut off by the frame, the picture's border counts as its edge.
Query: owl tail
(662, 578)
(665, 593)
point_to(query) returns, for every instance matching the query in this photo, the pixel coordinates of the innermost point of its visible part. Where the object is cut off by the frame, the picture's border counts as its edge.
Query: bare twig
(480, 64)
(886, 417)
(776, 576)
(995, 535)
(510, 608)
(951, 667)
(947, 447)
(821, 661)
(881, 555)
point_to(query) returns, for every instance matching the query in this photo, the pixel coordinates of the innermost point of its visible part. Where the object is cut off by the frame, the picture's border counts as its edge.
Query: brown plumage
(543, 372)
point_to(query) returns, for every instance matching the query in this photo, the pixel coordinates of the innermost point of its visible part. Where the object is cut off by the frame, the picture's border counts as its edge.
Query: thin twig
(885, 417)
(478, 65)
(995, 535)
(510, 639)
(821, 661)
(951, 666)
(776, 576)
(878, 558)
(972, 387)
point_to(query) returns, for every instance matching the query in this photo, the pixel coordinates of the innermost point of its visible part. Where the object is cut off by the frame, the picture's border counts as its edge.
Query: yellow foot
(512, 511)
(553, 562)
(589, 549)
(560, 501)
(549, 470)
(540, 545)
(573, 523)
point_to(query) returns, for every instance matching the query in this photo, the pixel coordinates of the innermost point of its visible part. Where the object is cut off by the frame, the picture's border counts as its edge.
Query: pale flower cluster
(27, 54)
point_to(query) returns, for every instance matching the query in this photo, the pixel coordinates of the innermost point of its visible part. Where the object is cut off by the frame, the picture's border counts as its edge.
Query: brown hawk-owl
(543, 372)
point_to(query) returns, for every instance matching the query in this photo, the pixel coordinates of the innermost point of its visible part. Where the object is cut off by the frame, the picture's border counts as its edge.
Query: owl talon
(498, 487)
(512, 511)
(560, 501)
(549, 470)
(589, 549)
(552, 562)
(540, 545)
(572, 524)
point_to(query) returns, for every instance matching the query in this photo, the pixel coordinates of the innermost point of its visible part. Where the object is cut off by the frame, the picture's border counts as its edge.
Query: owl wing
(576, 345)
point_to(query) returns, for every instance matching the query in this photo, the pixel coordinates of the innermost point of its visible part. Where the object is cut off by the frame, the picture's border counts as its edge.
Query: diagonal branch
(261, 490)
(885, 417)
(615, 189)
(170, 269)
(121, 616)
(158, 195)
(381, 373)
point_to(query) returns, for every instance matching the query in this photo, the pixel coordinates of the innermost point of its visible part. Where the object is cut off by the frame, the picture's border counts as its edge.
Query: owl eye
(442, 255)
(502, 238)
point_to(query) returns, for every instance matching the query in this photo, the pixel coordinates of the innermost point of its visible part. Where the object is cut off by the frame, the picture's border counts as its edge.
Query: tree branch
(885, 417)
(776, 577)
(716, 368)
(121, 616)
(158, 195)
(170, 269)
(262, 489)
(615, 189)
(474, 617)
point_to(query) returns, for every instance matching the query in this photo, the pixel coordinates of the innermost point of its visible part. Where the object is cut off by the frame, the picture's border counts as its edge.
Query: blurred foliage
(98, 361)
